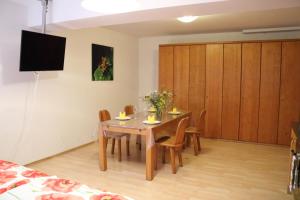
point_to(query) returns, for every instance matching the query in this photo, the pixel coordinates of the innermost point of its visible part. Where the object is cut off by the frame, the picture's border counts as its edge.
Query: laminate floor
(223, 170)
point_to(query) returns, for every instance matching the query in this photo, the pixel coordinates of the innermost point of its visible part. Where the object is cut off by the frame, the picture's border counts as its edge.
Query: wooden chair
(174, 143)
(104, 116)
(129, 110)
(196, 132)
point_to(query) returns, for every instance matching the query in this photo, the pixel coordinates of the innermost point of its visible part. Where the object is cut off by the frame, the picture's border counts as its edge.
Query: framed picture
(102, 63)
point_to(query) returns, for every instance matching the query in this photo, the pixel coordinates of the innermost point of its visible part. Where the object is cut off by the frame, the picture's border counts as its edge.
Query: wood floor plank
(223, 170)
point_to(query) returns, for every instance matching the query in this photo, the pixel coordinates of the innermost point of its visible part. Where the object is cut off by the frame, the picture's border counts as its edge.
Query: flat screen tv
(42, 52)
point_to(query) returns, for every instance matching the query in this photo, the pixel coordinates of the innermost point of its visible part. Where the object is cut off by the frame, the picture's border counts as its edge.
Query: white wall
(148, 51)
(60, 110)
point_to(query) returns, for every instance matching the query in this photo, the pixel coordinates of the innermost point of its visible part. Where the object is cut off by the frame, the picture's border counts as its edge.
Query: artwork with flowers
(102, 63)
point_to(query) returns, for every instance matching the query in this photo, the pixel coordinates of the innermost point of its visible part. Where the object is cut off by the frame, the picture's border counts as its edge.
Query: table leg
(102, 150)
(150, 153)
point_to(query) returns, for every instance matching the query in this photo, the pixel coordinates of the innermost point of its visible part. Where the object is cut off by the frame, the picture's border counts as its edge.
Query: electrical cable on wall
(28, 112)
(31, 96)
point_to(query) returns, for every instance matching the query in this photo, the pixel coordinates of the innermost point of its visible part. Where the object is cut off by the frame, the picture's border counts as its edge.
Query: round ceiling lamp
(187, 19)
(110, 6)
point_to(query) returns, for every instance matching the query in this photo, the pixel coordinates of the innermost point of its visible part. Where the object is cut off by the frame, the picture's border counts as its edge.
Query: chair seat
(170, 142)
(115, 134)
(192, 130)
(161, 136)
(161, 139)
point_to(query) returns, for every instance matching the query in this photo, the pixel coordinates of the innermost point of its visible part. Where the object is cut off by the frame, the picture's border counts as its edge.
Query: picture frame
(102, 63)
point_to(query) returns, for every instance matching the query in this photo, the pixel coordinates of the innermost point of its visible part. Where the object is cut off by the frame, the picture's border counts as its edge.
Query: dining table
(136, 126)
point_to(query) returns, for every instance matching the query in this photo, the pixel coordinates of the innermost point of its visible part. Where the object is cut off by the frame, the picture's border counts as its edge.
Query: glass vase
(158, 114)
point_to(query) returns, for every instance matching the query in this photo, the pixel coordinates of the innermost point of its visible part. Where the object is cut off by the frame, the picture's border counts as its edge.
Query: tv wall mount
(44, 14)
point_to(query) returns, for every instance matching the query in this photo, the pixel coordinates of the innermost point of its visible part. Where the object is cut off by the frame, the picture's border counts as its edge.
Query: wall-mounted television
(41, 52)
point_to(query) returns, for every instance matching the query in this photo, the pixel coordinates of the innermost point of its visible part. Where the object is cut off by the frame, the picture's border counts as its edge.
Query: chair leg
(184, 141)
(163, 149)
(198, 141)
(195, 144)
(106, 141)
(188, 140)
(173, 162)
(119, 150)
(180, 158)
(127, 147)
(113, 145)
(139, 141)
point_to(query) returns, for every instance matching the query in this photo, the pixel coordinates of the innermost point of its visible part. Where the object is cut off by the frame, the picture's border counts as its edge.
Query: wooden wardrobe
(250, 89)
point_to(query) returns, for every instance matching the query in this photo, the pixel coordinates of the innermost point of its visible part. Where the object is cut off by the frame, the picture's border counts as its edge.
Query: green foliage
(104, 70)
(159, 100)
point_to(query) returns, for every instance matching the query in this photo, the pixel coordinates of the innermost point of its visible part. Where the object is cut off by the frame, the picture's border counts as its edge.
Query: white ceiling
(158, 17)
(214, 23)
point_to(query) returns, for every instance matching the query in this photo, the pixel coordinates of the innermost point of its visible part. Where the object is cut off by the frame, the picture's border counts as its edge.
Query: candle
(174, 110)
(151, 118)
(122, 114)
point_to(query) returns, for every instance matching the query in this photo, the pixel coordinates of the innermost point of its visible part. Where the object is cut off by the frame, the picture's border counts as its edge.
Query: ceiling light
(110, 6)
(187, 19)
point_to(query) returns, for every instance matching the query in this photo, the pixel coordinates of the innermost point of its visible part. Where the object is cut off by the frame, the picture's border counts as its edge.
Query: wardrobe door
(213, 101)
(181, 76)
(197, 82)
(231, 91)
(166, 69)
(251, 54)
(289, 91)
(269, 92)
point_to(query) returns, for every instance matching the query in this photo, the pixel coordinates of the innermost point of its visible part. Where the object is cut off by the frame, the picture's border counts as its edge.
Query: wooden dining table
(135, 126)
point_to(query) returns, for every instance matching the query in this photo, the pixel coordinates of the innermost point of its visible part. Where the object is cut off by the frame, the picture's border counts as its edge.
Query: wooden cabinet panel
(251, 90)
(269, 92)
(214, 78)
(166, 69)
(289, 91)
(197, 82)
(231, 91)
(251, 54)
(181, 76)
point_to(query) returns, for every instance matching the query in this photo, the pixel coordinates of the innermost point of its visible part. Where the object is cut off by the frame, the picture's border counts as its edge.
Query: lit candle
(151, 118)
(122, 114)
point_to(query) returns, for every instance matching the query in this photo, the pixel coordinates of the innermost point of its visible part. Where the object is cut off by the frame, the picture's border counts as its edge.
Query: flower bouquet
(160, 101)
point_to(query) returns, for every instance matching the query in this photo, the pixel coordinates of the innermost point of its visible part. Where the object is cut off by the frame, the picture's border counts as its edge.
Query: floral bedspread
(21, 183)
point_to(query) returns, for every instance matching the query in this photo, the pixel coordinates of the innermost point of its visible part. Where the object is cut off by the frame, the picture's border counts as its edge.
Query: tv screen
(42, 52)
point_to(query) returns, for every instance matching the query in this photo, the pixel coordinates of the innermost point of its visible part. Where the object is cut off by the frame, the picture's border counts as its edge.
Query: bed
(21, 183)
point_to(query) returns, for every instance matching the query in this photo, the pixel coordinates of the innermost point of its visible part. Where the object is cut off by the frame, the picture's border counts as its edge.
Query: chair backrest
(183, 124)
(201, 123)
(104, 115)
(129, 110)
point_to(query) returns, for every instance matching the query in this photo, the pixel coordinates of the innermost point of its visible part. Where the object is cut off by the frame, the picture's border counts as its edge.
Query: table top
(136, 121)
